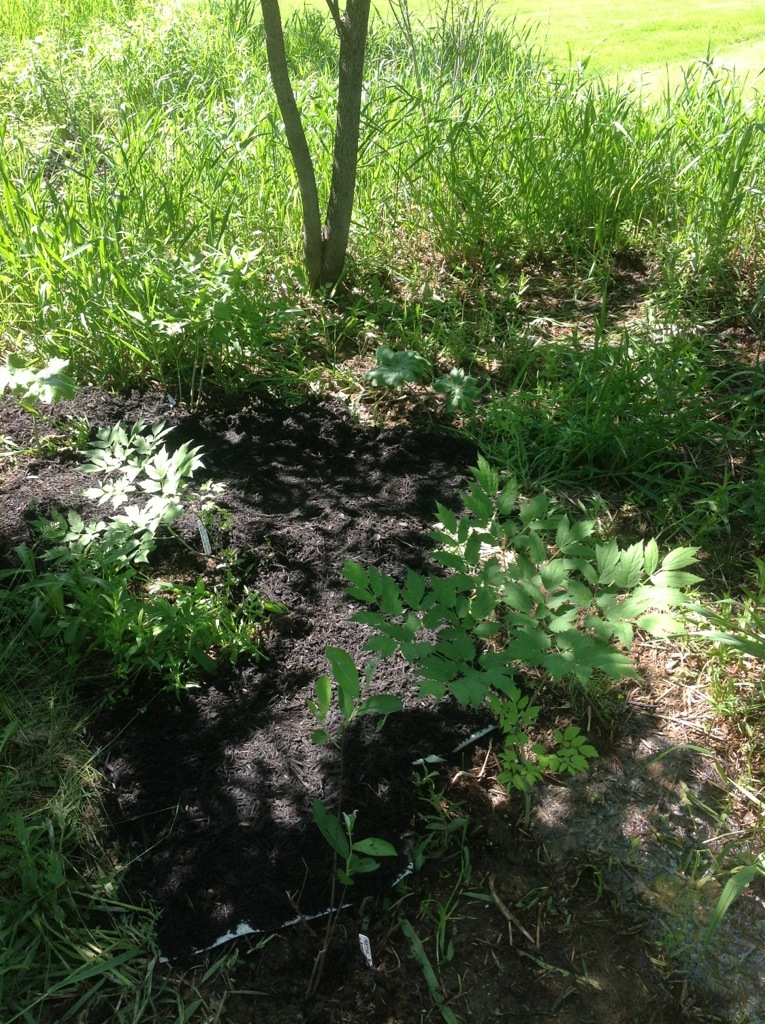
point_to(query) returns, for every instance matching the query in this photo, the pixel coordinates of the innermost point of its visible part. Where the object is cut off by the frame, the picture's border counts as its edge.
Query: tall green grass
(150, 222)
(68, 20)
(66, 939)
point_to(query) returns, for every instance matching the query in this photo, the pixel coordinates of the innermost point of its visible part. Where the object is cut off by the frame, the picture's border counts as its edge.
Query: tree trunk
(296, 140)
(324, 249)
(352, 28)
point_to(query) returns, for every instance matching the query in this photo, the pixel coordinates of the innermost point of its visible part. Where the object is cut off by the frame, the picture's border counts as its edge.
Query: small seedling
(356, 857)
(461, 390)
(351, 857)
(352, 699)
(352, 702)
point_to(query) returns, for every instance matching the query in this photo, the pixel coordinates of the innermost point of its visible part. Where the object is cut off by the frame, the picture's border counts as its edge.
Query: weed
(394, 370)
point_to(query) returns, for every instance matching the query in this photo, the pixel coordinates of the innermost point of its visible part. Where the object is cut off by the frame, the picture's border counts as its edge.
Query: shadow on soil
(591, 909)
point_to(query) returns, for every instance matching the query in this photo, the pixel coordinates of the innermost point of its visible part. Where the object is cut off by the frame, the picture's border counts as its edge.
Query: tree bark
(324, 248)
(353, 28)
(296, 140)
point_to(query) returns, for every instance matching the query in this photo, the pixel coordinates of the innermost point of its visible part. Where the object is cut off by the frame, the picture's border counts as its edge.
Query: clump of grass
(66, 936)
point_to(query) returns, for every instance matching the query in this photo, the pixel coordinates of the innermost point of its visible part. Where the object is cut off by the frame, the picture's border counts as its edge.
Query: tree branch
(334, 10)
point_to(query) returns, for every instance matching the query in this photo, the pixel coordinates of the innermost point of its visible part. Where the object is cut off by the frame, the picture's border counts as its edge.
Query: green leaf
(390, 598)
(679, 558)
(529, 645)
(323, 697)
(383, 645)
(659, 624)
(471, 688)
(534, 509)
(616, 607)
(449, 560)
(472, 549)
(394, 369)
(579, 593)
(319, 737)
(344, 669)
(484, 602)
(357, 577)
(486, 476)
(507, 498)
(629, 571)
(607, 560)
(486, 630)
(375, 847)
(399, 633)
(381, 704)
(479, 504)
(515, 596)
(623, 632)
(446, 518)
(363, 865)
(651, 558)
(461, 390)
(203, 659)
(739, 880)
(331, 829)
(75, 521)
(674, 579)
(414, 590)
(563, 621)
(554, 574)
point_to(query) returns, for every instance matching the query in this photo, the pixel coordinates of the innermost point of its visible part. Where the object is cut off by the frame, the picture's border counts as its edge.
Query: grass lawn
(634, 37)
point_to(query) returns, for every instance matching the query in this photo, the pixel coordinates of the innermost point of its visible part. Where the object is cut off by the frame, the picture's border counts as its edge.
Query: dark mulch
(212, 789)
(209, 792)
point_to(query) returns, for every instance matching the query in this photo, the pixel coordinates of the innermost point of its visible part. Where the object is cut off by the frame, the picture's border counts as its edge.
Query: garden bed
(208, 792)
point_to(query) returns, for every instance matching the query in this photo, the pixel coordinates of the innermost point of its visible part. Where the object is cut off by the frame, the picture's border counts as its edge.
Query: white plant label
(366, 950)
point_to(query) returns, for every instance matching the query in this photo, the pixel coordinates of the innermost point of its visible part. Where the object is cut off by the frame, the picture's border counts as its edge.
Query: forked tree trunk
(324, 247)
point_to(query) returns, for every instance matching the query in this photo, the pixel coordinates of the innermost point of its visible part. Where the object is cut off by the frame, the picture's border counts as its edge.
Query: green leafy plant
(352, 697)
(353, 701)
(356, 856)
(394, 370)
(528, 593)
(93, 594)
(32, 386)
(351, 856)
(461, 390)
(524, 762)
